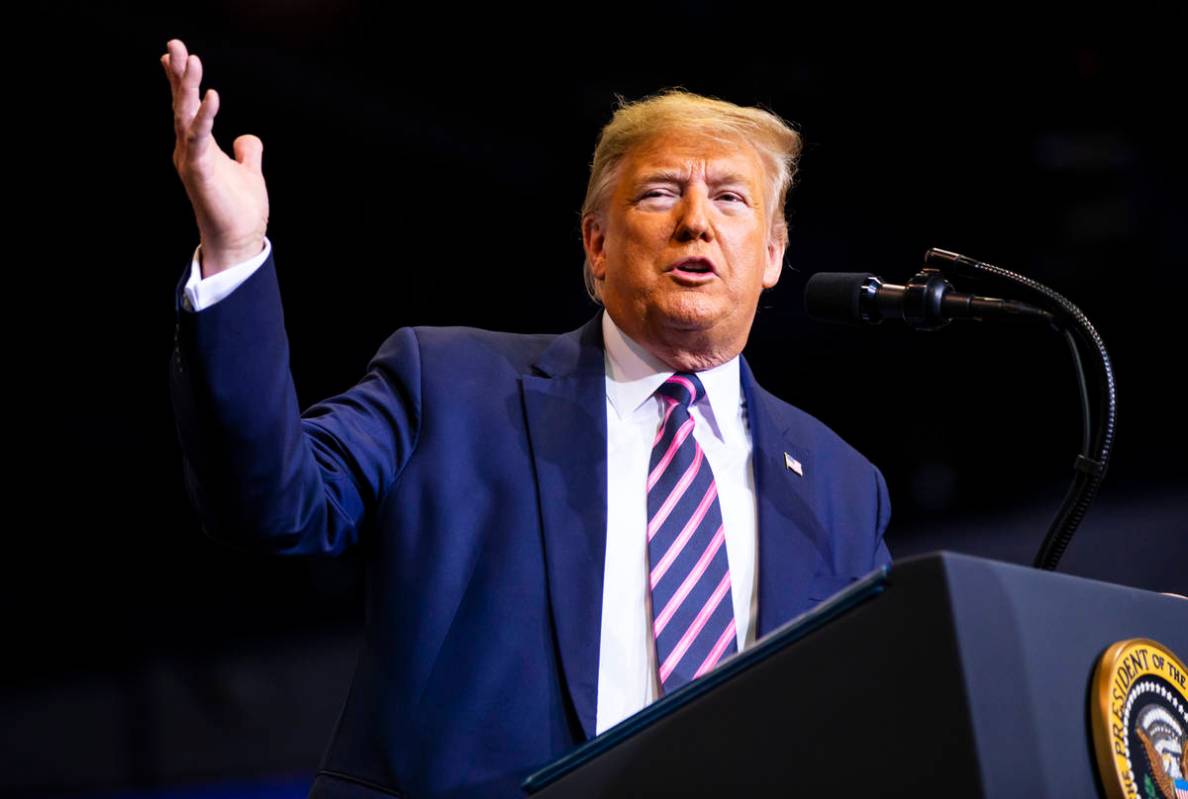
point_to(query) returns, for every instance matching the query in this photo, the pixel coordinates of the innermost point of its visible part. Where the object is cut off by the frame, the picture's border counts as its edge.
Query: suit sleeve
(261, 475)
(882, 556)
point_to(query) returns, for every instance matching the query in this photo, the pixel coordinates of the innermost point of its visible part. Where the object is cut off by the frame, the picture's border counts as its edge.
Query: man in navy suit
(513, 493)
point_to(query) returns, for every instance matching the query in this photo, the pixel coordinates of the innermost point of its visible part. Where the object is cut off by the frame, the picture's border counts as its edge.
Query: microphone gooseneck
(929, 302)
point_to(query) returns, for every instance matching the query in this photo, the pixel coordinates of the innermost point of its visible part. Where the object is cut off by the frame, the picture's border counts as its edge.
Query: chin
(690, 312)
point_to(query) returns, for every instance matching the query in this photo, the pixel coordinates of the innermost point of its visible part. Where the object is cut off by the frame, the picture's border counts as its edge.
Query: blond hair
(776, 142)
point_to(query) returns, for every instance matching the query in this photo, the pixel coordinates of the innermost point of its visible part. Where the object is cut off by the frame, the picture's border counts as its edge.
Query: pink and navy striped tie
(692, 612)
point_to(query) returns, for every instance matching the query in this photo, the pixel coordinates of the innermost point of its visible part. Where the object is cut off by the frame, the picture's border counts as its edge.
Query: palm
(228, 194)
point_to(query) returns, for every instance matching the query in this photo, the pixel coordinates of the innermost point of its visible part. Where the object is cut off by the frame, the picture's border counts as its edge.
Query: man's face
(683, 247)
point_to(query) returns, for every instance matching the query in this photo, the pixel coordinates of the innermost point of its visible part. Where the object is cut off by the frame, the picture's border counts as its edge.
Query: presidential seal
(1139, 715)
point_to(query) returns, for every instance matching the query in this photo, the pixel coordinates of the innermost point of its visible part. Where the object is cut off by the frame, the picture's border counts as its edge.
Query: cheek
(749, 260)
(636, 261)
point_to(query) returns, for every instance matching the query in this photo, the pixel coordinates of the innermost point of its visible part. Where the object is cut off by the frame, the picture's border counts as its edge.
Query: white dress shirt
(628, 678)
(205, 292)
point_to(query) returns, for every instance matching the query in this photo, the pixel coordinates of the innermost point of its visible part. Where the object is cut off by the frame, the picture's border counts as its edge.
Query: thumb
(249, 151)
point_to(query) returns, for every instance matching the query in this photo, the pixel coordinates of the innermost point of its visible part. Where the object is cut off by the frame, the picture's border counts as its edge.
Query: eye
(658, 198)
(732, 197)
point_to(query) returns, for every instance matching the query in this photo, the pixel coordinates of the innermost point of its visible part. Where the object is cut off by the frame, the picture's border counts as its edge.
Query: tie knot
(684, 387)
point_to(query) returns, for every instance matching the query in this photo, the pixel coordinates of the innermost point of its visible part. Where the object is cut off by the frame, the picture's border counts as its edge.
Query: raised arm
(260, 474)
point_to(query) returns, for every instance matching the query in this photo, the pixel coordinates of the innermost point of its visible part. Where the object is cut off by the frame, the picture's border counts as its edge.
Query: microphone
(929, 302)
(926, 302)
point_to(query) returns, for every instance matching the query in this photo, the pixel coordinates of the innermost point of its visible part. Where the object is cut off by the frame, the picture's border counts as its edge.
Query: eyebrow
(677, 176)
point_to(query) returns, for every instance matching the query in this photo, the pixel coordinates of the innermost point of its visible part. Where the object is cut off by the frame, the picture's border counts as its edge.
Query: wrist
(212, 259)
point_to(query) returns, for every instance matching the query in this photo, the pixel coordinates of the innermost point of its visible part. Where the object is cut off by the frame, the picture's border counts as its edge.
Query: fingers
(249, 151)
(193, 115)
(167, 64)
(192, 76)
(186, 100)
(203, 122)
(177, 57)
(185, 75)
(168, 71)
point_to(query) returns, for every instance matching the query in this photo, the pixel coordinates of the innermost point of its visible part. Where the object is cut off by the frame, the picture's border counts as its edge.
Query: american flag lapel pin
(793, 465)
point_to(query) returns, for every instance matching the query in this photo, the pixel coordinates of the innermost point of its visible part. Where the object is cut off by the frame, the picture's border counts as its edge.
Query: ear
(594, 243)
(774, 265)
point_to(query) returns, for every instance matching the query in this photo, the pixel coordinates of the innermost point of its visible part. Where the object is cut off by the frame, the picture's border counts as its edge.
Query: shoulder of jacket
(469, 347)
(802, 427)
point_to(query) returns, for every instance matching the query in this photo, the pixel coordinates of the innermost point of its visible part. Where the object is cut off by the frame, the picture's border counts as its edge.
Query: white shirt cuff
(201, 293)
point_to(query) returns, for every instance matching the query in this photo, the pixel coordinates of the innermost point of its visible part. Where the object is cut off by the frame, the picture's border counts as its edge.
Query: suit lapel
(565, 408)
(791, 538)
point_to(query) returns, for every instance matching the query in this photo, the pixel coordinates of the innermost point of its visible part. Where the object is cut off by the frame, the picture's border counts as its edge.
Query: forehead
(693, 154)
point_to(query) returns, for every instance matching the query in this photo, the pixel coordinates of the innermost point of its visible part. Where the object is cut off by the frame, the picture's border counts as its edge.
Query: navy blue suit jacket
(471, 467)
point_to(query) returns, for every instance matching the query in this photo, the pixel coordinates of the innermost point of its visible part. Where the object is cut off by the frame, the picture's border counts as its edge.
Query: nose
(693, 218)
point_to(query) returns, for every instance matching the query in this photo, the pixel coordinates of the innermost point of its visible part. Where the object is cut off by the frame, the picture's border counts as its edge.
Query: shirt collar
(633, 374)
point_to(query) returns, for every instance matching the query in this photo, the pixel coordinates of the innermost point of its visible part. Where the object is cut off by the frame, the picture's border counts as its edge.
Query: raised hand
(228, 194)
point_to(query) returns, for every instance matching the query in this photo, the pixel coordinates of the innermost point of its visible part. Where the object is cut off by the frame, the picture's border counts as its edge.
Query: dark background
(427, 168)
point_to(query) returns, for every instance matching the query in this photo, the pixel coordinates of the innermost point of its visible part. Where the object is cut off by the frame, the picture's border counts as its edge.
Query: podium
(941, 675)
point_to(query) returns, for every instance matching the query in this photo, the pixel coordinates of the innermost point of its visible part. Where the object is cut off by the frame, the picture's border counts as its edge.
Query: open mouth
(693, 268)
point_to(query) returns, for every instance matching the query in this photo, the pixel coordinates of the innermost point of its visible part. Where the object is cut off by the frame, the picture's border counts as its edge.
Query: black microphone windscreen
(835, 296)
